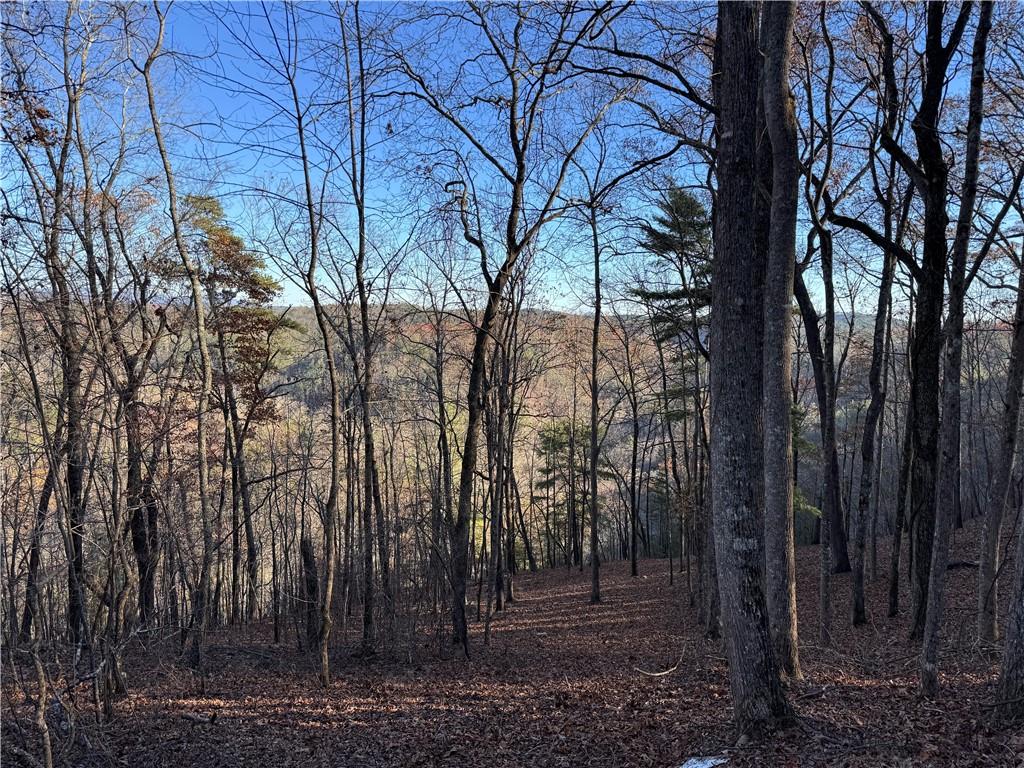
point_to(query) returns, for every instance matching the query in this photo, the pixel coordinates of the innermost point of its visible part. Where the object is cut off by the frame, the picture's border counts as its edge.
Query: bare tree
(530, 73)
(200, 611)
(999, 490)
(780, 562)
(948, 486)
(758, 699)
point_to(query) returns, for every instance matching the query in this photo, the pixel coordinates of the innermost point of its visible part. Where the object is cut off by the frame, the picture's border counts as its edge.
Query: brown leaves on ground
(559, 686)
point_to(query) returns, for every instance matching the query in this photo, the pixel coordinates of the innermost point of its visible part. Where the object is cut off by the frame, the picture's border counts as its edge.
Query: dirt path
(559, 686)
(556, 686)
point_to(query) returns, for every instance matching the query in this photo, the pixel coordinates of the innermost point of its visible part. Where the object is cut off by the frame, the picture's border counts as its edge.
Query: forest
(584, 383)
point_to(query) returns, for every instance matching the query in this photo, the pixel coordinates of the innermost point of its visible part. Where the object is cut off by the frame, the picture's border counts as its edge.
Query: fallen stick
(668, 671)
(200, 719)
(812, 694)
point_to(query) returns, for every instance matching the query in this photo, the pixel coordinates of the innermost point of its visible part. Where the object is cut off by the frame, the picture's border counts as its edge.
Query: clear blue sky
(236, 142)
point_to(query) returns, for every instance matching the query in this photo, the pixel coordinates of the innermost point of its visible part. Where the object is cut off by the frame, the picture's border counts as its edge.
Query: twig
(1003, 703)
(200, 719)
(668, 671)
(812, 694)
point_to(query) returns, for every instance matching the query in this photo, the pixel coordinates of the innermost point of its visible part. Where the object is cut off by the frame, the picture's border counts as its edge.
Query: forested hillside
(502, 384)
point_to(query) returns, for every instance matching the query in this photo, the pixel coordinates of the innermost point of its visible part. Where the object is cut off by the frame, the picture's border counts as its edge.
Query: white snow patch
(705, 762)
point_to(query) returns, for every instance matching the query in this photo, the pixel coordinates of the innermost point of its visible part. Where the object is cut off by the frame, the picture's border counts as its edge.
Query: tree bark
(867, 447)
(780, 556)
(948, 489)
(1009, 703)
(758, 699)
(595, 339)
(999, 491)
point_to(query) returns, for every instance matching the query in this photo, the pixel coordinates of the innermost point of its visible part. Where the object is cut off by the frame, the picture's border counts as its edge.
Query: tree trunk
(199, 606)
(867, 447)
(76, 459)
(823, 385)
(474, 395)
(310, 591)
(999, 491)
(758, 699)
(595, 338)
(780, 557)
(928, 337)
(948, 490)
(32, 583)
(1010, 688)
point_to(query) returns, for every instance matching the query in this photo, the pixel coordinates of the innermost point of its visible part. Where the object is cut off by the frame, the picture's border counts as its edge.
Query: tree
(948, 488)
(598, 190)
(1009, 697)
(930, 176)
(999, 490)
(758, 699)
(521, 97)
(876, 382)
(820, 331)
(200, 612)
(51, 134)
(780, 562)
(679, 302)
(240, 293)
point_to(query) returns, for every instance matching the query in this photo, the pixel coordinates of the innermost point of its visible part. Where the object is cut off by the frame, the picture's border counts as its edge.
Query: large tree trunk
(780, 557)
(929, 174)
(988, 585)
(1010, 688)
(927, 347)
(758, 699)
(948, 490)
(924, 432)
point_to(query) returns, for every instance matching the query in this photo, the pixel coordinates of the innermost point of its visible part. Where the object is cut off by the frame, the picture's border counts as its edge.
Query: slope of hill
(629, 682)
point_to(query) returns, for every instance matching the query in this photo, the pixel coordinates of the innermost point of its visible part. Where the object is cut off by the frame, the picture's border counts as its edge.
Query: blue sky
(234, 143)
(220, 149)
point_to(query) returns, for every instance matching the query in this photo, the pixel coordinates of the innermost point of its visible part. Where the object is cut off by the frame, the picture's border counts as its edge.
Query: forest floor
(560, 685)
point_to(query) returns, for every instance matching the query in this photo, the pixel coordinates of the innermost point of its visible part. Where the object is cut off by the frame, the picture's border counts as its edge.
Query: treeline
(346, 345)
